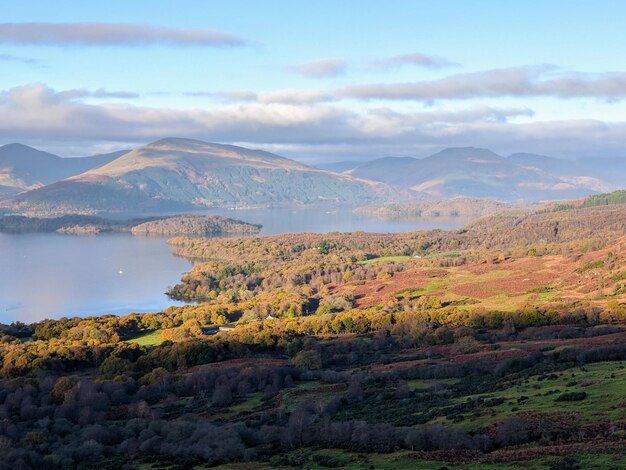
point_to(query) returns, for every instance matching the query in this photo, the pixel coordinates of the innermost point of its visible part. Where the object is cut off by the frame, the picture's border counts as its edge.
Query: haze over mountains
(182, 174)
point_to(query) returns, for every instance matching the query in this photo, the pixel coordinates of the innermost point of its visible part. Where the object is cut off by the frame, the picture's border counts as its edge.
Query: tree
(309, 359)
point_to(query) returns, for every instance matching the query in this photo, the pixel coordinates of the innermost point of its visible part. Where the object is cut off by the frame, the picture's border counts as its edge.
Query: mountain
(23, 168)
(475, 172)
(182, 174)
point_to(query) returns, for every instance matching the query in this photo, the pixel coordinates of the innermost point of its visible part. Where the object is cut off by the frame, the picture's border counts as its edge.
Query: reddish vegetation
(377, 291)
(481, 281)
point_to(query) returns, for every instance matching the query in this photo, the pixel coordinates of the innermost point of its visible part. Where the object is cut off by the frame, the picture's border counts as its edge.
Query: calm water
(54, 275)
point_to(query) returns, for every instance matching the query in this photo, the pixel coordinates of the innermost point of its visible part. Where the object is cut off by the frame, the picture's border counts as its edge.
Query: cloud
(41, 112)
(518, 82)
(112, 34)
(531, 81)
(55, 119)
(15, 58)
(417, 59)
(321, 68)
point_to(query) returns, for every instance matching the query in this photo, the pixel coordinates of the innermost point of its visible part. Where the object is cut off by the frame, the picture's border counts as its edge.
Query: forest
(500, 345)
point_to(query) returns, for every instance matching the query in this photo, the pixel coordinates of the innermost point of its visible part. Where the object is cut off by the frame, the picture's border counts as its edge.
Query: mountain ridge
(185, 174)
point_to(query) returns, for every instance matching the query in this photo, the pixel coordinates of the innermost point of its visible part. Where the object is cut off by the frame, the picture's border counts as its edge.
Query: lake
(49, 275)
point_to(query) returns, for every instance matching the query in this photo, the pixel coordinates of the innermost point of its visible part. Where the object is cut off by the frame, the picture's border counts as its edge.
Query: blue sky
(317, 80)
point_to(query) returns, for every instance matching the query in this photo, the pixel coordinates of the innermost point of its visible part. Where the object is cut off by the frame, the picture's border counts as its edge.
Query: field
(150, 338)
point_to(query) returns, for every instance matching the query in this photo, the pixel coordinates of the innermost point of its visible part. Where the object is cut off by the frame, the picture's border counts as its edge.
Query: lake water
(52, 275)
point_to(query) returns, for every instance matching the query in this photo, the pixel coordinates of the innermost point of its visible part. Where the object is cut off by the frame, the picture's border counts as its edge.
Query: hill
(23, 168)
(475, 172)
(175, 174)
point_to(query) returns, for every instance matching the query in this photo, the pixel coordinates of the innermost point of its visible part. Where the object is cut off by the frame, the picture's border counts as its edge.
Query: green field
(150, 338)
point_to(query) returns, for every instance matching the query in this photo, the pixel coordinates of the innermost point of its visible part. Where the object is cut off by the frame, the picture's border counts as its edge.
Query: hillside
(175, 174)
(23, 168)
(475, 172)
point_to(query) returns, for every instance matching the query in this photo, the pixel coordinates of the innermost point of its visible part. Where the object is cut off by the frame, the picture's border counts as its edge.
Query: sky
(316, 81)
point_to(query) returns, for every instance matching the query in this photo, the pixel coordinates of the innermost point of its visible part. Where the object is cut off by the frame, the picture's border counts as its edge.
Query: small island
(191, 225)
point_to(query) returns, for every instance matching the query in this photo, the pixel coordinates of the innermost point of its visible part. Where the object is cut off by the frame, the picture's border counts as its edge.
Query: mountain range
(183, 174)
(176, 174)
(475, 172)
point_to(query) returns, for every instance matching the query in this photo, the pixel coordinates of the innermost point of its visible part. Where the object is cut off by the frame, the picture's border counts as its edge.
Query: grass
(386, 259)
(150, 338)
(604, 383)
(430, 288)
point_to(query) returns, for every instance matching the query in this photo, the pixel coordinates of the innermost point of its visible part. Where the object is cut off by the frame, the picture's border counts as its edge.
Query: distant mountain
(180, 174)
(23, 168)
(475, 172)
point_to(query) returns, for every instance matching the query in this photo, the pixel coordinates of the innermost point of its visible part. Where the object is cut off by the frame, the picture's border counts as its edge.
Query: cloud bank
(37, 113)
(517, 82)
(532, 81)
